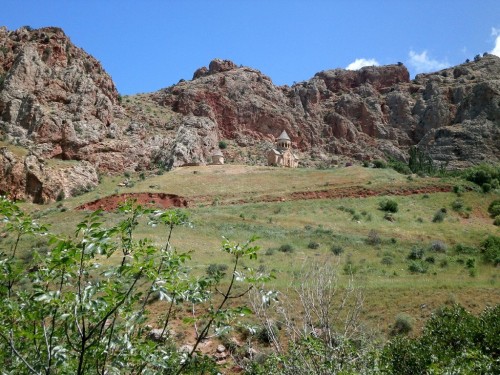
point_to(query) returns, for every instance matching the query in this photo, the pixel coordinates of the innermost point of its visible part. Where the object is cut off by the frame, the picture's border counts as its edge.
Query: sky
(146, 45)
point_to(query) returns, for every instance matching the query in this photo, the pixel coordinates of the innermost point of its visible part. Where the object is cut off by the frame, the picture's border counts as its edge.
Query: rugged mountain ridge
(58, 105)
(370, 113)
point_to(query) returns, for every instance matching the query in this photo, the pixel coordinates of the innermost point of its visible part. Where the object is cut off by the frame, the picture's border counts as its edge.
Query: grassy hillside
(331, 217)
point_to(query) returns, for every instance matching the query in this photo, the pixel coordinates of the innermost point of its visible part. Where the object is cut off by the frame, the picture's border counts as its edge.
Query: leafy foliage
(490, 248)
(389, 205)
(453, 342)
(81, 306)
(420, 161)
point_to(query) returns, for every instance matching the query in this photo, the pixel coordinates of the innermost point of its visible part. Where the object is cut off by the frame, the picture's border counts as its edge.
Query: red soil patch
(163, 200)
(160, 200)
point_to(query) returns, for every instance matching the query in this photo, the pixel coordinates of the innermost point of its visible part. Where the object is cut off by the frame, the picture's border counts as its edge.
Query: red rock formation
(58, 102)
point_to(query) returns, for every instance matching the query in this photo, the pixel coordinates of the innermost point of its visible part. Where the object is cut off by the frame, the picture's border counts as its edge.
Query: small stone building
(217, 158)
(282, 155)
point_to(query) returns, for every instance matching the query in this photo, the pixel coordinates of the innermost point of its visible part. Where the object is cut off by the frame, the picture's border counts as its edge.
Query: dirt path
(163, 200)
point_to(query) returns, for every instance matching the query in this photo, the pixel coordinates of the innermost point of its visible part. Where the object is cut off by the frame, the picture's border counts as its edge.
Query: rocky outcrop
(30, 177)
(58, 102)
(375, 112)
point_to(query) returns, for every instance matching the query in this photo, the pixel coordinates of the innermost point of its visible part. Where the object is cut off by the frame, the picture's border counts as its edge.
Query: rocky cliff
(58, 103)
(374, 112)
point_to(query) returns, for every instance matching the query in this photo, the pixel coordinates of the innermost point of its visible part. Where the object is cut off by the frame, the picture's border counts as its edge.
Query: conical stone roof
(284, 136)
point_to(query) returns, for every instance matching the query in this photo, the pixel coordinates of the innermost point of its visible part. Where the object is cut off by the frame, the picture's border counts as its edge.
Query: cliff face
(375, 111)
(57, 102)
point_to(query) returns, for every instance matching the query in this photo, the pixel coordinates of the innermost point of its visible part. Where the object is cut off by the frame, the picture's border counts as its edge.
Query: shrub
(91, 315)
(215, 269)
(438, 246)
(222, 145)
(497, 221)
(453, 342)
(458, 189)
(494, 208)
(373, 238)
(399, 167)
(336, 249)
(490, 248)
(457, 205)
(379, 164)
(313, 245)
(463, 249)
(486, 187)
(387, 260)
(403, 325)
(389, 205)
(60, 196)
(417, 266)
(265, 333)
(269, 251)
(430, 260)
(286, 248)
(439, 216)
(470, 263)
(416, 253)
(483, 174)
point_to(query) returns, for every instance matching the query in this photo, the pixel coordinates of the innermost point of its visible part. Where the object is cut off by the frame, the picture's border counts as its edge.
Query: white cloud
(495, 31)
(496, 49)
(423, 63)
(359, 63)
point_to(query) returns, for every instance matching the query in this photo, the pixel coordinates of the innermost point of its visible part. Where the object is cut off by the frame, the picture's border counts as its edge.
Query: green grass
(215, 193)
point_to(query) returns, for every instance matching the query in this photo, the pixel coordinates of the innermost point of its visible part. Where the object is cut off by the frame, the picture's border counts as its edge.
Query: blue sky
(146, 45)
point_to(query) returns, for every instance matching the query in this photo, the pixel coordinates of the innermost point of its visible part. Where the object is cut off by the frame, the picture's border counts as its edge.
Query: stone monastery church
(282, 155)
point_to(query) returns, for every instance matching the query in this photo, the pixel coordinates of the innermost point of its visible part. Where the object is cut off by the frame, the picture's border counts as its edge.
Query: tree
(81, 306)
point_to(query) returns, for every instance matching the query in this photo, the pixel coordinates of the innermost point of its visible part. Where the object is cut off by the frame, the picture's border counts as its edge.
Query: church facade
(282, 155)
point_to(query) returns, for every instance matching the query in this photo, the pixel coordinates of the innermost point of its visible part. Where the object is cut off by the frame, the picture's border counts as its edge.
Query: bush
(483, 174)
(417, 266)
(458, 189)
(399, 167)
(430, 260)
(215, 269)
(494, 208)
(388, 205)
(497, 221)
(265, 334)
(470, 263)
(439, 216)
(387, 260)
(416, 253)
(486, 187)
(313, 245)
(403, 325)
(453, 342)
(490, 248)
(336, 249)
(379, 164)
(222, 145)
(373, 238)
(463, 249)
(286, 248)
(457, 205)
(269, 251)
(438, 246)
(90, 313)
